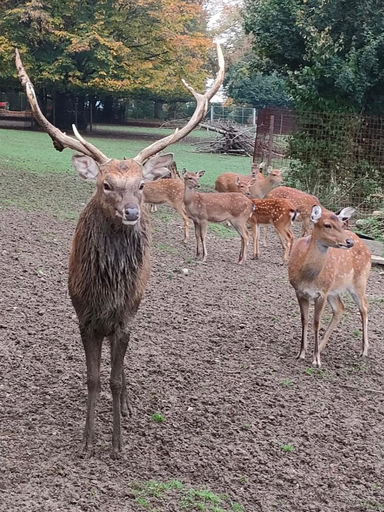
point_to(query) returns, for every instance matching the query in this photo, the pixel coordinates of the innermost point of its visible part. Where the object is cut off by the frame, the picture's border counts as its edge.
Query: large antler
(60, 139)
(202, 101)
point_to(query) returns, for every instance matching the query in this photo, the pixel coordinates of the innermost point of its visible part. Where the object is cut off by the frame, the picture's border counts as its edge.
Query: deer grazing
(280, 213)
(109, 260)
(258, 188)
(319, 269)
(170, 191)
(202, 208)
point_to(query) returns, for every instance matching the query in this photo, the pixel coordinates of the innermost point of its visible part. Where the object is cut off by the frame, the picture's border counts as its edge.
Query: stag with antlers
(109, 260)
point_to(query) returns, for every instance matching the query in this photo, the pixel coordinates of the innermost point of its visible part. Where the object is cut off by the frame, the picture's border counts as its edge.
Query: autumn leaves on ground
(225, 418)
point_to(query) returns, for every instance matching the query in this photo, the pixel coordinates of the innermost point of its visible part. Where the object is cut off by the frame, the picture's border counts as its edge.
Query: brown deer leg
(360, 300)
(265, 232)
(119, 343)
(197, 235)
(242, 230)
(126, 407)
(181, 210)
(304, 311)
(338, 309)
(92, 343)
(319, 309)
(203, 236)
(284, 244)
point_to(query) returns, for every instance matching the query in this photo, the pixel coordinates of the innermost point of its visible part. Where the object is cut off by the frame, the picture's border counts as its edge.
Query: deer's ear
(346, 213)
(316, 213)
(86, 167)
(252, 182)
(157, 167)
(200, 173)
(184, 171)
(237, 180)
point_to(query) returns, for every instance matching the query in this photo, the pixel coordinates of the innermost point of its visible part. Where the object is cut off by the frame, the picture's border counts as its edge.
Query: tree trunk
(65, 111)
(157, 109)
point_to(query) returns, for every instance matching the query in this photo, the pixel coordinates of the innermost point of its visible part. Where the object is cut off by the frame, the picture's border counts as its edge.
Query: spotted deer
(227, 182)
(302, 202)
(202, 208)
(330, 261)
(109, 260)
(169, 191)
(280, 213)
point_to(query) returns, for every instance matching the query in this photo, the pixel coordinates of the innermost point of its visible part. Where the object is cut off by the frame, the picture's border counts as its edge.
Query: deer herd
(109, 259)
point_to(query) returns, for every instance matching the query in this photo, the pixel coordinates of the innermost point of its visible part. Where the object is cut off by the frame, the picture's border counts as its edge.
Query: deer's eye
(327, 226)
(141, 186)
(107, 187)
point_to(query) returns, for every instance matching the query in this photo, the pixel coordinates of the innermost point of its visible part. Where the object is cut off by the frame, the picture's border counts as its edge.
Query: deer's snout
(131, 213)
(349, 243)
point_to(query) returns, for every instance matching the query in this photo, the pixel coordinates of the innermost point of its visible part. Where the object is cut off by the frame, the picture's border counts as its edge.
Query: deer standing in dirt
(227, 182)
(170, 191)
(320, 270)
(202, 208)
(280, 213)
(109, 261)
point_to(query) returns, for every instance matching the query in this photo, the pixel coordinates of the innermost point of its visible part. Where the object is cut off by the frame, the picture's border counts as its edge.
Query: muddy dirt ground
(212, 352)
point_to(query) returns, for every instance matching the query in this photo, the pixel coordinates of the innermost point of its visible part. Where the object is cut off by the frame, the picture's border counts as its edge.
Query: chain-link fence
(239, 115)
(338, 157)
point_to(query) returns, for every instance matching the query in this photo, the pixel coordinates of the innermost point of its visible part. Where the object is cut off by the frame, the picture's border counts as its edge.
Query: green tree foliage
(249, 80)
(140, 48)
(249, 87)
(331, 50)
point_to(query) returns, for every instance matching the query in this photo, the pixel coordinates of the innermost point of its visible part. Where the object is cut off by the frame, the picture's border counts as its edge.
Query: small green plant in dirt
(222, 231)
(371, 506)
(166, 248)
(158, 418)
(356, 333)
(157, 496)
(287, 447)
(317, 372)
(287, 383)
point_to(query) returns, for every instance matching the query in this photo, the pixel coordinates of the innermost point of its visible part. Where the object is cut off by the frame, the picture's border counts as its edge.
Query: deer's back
(301, 201)
(272, 210)
(164, 191)
(108, 269)
(217, 207)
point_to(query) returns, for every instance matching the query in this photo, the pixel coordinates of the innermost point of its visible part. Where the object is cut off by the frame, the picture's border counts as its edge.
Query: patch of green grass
(356, 333)
(166, 248)
(287, 447)
(371, 506)
(287, 382)
(222, 231)
(156, 496)
(309, 371)
(158, 418)
(39, 157)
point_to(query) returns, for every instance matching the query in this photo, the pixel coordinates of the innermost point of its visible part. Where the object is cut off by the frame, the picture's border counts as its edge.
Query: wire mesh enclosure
(338, 157)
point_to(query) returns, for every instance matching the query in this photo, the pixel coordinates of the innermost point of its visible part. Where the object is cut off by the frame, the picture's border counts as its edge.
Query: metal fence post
(270, 141)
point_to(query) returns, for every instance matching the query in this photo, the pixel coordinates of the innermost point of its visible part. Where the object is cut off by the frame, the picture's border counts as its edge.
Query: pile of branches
(231, 138)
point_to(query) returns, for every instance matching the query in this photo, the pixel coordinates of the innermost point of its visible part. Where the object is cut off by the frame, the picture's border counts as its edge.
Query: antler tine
(202, 101)
(60, 139)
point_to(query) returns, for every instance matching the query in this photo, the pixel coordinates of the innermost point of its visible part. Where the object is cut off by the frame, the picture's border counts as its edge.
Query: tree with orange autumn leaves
(135, 48)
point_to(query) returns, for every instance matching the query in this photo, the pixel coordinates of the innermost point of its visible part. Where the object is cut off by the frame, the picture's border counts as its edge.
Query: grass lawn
(32, 151)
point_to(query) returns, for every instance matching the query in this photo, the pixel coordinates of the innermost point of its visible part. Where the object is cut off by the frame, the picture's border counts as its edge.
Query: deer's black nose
(349, 243)
(131, 214)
